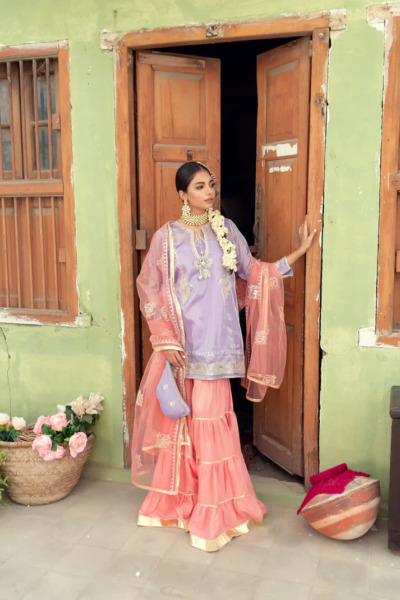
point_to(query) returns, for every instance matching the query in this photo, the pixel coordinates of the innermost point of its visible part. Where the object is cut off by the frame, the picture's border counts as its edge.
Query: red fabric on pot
(331, 481)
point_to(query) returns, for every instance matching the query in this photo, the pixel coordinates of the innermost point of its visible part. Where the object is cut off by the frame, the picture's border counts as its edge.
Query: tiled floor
(88, 546)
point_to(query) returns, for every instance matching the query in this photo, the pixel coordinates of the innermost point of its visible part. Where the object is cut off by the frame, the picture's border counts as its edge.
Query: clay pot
(345, 516)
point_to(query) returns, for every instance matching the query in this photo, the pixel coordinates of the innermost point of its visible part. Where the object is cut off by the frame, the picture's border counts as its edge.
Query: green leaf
(54, 445)
(47, 430)
(9, 435)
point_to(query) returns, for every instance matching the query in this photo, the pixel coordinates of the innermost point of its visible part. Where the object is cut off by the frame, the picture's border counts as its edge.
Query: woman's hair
(185, 174)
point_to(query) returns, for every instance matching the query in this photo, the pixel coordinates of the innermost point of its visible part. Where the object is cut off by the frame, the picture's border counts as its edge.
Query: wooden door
(178, 116)
(283, 82)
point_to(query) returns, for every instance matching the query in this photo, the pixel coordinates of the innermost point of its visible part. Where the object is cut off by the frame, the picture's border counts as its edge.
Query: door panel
(178, 115)
(283, 82)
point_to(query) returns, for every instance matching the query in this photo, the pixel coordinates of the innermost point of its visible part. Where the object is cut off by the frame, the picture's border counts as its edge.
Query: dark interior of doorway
(238, 177)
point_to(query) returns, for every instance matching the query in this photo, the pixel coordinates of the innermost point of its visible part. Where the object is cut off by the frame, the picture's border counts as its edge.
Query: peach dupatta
(261, 295)
(265, 351)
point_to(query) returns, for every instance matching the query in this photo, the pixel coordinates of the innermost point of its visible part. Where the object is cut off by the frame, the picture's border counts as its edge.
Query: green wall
(54, 364)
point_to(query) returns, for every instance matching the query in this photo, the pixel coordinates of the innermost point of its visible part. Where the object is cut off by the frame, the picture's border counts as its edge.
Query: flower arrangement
(70, 425)
(10, 428)
(229, 257)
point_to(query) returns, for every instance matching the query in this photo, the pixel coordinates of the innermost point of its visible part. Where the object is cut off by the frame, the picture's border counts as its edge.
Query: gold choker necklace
(196, 219)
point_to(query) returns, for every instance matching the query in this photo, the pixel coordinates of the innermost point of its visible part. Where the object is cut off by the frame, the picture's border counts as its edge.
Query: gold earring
(185, 209)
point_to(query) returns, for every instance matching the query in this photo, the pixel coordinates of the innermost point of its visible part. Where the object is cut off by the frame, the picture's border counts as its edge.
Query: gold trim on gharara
(156, 522)
(226, 500)
(228, 412)
(214, 462)
(224, 538)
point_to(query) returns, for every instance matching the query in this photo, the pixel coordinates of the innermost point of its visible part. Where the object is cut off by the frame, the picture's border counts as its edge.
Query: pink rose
(18, 423)
(58, 421)
(54, 455)
(42, 445)
(77, 443)
(4, 419)
(38, 425)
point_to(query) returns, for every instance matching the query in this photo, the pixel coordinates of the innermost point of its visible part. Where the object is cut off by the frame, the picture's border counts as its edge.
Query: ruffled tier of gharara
(216, 500)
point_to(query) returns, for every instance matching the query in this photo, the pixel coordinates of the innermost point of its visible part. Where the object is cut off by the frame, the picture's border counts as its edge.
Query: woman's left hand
(305, 238)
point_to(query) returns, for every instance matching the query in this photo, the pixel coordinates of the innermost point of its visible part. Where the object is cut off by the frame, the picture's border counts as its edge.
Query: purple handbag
(171, 402)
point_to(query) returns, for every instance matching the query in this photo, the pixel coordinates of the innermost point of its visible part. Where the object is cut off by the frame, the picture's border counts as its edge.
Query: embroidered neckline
(203, 262)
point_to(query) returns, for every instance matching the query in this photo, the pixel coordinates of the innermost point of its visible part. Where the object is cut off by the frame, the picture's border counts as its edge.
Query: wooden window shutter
(37, 233)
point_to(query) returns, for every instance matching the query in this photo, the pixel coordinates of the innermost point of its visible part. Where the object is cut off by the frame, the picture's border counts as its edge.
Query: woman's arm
(152, 304)
(305, 242)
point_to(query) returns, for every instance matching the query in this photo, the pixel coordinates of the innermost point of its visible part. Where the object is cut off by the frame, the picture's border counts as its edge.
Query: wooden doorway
(283, 76)
(128, 217)
(170, 88)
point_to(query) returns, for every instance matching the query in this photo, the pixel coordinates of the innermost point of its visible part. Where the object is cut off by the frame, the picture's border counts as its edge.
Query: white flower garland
(217, 222)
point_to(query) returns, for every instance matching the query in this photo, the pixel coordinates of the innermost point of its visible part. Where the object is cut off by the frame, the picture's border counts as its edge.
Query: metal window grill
(32, 229)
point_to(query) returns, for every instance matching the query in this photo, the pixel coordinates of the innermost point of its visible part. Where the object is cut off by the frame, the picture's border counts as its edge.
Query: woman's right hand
(176, 358)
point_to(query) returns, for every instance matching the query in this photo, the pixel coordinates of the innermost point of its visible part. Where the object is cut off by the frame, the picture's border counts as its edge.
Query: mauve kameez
(207, 296)
(215, 500)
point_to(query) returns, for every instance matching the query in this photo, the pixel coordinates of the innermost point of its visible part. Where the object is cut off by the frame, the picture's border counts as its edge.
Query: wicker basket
(32, 480)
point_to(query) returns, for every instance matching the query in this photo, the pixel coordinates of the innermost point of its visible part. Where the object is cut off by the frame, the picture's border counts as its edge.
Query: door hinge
(140, 239)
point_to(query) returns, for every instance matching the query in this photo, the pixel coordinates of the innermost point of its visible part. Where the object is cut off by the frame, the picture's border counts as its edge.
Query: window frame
(36, 187)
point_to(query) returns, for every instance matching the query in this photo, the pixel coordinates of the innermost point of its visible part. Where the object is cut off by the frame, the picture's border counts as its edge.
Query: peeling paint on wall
(367, 338)
(108, 40)
(82, 320)
(337, 19)
(377, 14)
(388, 44)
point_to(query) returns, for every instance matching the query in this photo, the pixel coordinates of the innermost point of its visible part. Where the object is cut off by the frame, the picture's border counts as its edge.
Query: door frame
(318, 27)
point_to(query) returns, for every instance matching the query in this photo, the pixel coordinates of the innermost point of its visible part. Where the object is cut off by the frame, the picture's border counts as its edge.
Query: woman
(198, 272)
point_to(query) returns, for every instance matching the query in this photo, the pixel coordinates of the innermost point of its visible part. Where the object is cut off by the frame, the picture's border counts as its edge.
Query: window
(37, 264)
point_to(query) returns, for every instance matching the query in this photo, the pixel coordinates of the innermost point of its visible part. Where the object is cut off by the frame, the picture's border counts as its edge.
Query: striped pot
(348, 515)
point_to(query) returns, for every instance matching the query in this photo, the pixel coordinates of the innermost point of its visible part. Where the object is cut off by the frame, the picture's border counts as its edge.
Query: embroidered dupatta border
(261, 300)
(181, 435)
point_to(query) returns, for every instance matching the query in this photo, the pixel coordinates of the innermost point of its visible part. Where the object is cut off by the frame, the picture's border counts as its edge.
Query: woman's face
(200, 193)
